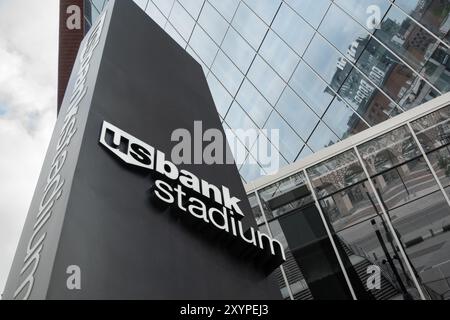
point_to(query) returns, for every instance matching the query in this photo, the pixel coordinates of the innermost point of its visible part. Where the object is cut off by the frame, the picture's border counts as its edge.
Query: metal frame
(351, 144)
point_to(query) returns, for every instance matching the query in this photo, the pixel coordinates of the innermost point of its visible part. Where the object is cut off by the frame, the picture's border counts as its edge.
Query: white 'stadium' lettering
(138, 153)
(55, 180)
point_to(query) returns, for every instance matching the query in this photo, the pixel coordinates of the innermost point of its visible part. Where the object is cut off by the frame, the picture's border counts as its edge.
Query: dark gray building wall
(124, 246)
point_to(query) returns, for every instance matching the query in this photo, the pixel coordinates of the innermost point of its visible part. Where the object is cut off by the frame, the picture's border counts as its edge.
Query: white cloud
(28, 71)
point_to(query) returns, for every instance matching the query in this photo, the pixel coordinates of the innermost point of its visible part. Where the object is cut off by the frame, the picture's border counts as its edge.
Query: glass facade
(320, 71)
(373, 221)
(369, 221)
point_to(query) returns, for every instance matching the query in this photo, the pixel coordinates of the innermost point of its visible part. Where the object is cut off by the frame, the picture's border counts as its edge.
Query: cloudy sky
(28, 70)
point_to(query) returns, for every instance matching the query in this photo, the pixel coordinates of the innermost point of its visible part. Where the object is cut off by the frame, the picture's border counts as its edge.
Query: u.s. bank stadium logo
(182, 190)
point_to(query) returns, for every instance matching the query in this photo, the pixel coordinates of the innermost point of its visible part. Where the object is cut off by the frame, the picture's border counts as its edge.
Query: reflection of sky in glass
(358, 8)
(249, 25)
(322, 137)
(342, 36)
(213, 23)
(254, 103)
(238, 50)
(311, 88)
(297, 113)
(254, 62)
(279, 55)
(164, 6)
(339, 118)
(311, 10)
(323, 58)
(265, 9)
(268, 82)
(203, 46)
(182, 21)
(192, 6)
(290, 143)
(286, 21)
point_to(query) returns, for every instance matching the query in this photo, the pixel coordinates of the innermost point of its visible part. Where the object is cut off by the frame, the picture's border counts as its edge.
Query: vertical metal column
(428, 163)
(391, 227)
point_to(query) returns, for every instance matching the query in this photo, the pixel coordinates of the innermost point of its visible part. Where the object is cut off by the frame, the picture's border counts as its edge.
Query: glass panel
(311, 263)
(251, 170)
(405, 37)
(203, 46)
(366, 246)
(336, 174)
(433, 132)
(391, 75)
(389, 150)
(305, 152)
(238, 119)
(374, 60)
(415, 205)
(155, 14)
(310, 10)
(327, 62)
(266, 80)
(290, 143)
(164, 6)
(437, 68)
(350, 206)
(366, 99)
(238, 50)
(285, 196)
(286, 21)
(227, 73)
(322, 137)
(433, 14)
(226, 8)
(291, 269)
(182, 21)
(99, 4)
(373, 262)
(344, 36)
(253, 103)
(297, 113)
(220, 95)
(192, 6)
(238, 149)
(267, 153)
(249, 26)
(423, 227)
(342, 120)
(360, 10)
(265, 9)
(279, 55)
(440, 160)
(213, 23)
(91, 13)
(311, 89)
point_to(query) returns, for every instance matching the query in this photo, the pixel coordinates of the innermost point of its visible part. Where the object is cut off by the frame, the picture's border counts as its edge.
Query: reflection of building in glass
(384, 195)
(269, 61)
(320, 73)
